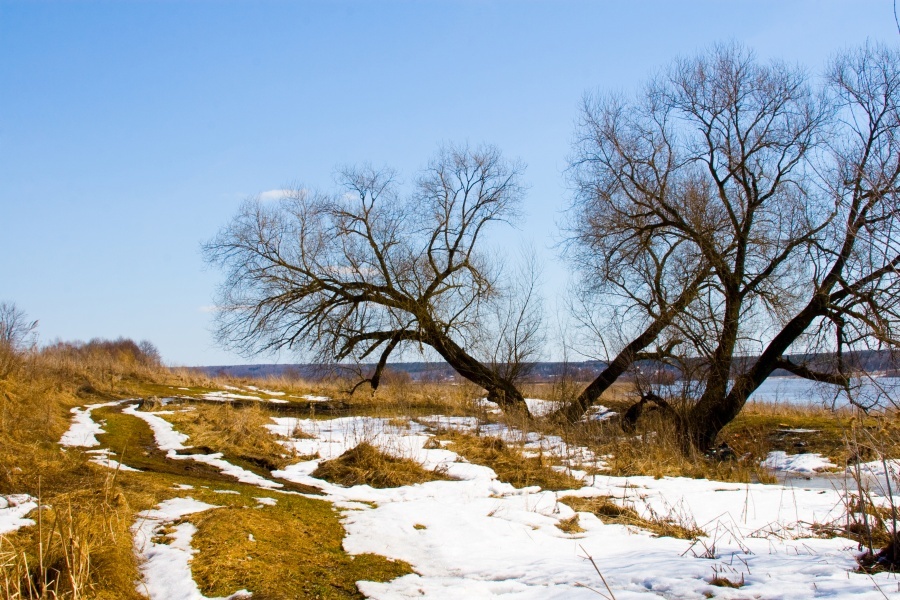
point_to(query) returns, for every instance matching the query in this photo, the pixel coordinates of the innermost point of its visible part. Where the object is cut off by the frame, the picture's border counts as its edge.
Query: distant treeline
(871, 361)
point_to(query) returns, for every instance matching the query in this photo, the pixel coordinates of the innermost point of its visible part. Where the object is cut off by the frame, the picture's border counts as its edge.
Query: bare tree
(784, 200)
(16, 335)
(369, 271)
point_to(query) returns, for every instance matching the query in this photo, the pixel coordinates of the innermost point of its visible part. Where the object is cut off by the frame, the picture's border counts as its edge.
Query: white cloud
(274, 194)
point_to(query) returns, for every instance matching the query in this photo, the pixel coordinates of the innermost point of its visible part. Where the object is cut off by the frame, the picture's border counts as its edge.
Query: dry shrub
(367, 465)
(872, 510)
(509, 463)
(610, 512)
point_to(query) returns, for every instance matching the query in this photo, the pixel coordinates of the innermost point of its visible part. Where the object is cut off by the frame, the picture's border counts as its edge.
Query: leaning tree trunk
(575, 410)
(499, 389)
(623, 361)
(716, 407)
(711, 415)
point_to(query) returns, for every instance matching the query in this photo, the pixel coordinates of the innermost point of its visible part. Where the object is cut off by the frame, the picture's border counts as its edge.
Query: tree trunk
(499, 390)
(576, 409)
(623, 361)
(717, 407)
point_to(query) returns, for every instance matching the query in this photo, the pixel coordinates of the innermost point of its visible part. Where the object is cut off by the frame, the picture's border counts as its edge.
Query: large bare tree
(370, 270)
(782, 197)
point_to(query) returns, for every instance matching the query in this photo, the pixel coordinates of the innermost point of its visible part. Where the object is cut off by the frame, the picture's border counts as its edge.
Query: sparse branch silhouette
(732, 210)
(367, 270)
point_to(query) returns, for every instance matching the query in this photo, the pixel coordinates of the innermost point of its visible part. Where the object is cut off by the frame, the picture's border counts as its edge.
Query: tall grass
(80, 546)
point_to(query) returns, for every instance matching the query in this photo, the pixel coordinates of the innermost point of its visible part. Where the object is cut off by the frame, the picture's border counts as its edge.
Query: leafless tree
(783, 200)
(369, 271)
(17, 334)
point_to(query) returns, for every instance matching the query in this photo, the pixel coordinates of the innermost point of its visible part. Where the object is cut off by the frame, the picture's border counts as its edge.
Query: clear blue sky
(131, 131)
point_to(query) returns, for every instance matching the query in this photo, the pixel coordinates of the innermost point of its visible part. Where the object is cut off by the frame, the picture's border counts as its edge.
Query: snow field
(477, 537)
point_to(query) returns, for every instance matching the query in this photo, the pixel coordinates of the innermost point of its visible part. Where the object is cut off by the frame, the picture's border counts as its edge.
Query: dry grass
(367, 465)
(81, 544)
(508, 462)
(610, 512)
(570, 525)
(237, 432)
(722, 581)
(406, 399)
(80, 548)
(290, 550)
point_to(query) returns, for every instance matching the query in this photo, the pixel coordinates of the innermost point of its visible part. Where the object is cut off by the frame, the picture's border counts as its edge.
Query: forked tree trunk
(714, 411)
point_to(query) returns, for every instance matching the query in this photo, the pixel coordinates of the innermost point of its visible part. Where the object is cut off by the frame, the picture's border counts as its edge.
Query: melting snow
(796, 463)
(226, 396)
(166, 568)
(253, 388)
(311, 398)
(477, 537)
(13, 509)
(102, 458)
(172, 441)
(83, 430)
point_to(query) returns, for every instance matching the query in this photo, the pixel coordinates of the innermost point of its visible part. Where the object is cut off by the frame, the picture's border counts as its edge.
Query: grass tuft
(610, 512)
(570, 525)
(367, 465)
(508, 462)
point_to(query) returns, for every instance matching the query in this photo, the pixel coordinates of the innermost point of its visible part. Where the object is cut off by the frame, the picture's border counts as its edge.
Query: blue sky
(131, 131)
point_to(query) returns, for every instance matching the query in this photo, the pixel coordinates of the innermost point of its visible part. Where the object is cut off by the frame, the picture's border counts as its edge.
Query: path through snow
(166, 568)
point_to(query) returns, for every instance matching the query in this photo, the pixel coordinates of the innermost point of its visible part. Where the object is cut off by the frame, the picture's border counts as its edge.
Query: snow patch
(796, 463)
(13, 508)
(83, 430)
(166, 569)
(102, 458)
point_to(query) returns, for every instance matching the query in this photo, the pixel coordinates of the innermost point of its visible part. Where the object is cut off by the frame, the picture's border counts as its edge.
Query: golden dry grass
(508, 462)
(290, 550)
(570, 525)
(81, 544)
(610, 512)
(367, 465)
(237, 432)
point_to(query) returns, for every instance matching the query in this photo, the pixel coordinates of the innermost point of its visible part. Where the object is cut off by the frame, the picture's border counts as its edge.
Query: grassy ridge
(82, 545)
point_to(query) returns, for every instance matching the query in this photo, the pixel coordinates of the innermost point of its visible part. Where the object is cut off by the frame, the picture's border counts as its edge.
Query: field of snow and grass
(471, 535)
